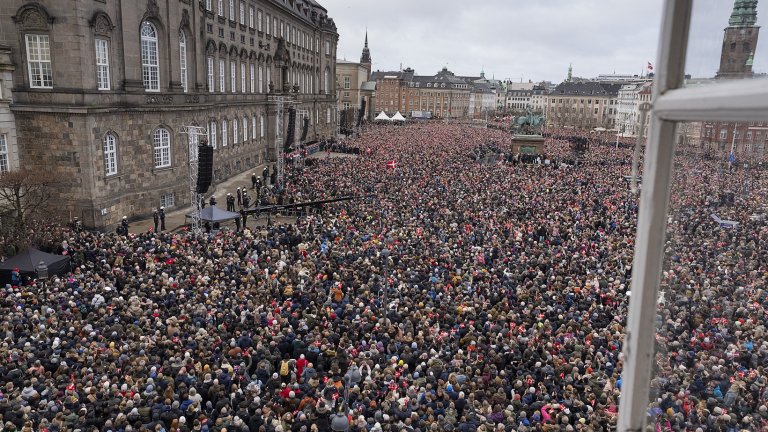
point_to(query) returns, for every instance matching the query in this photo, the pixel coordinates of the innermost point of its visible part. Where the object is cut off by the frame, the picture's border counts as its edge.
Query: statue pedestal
(528, 144)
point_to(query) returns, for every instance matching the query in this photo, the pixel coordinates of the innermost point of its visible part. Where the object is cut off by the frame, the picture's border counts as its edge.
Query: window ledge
(163, 169)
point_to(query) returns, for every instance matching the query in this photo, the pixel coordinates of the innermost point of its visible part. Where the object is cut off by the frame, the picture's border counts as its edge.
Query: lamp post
(42, 272)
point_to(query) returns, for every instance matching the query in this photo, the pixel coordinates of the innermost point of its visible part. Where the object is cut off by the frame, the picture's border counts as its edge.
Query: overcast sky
(533, 39)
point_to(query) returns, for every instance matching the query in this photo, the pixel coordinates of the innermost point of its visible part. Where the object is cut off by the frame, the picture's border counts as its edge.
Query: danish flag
(391, 164)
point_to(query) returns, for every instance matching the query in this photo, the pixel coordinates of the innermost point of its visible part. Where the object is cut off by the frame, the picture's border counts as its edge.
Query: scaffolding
(193, 134)
(280, 107)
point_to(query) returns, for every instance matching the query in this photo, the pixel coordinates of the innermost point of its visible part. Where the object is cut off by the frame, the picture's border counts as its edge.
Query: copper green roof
(744, 13)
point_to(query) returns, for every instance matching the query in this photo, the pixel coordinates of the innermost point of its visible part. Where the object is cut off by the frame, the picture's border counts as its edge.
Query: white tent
(382, 116)
(398, 117)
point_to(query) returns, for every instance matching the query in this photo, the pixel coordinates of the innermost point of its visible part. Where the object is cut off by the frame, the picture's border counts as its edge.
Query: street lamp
(42, 271)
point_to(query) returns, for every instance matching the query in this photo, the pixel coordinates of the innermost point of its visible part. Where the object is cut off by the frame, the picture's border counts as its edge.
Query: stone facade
(120, 71)
(444, 94)
(9, 155)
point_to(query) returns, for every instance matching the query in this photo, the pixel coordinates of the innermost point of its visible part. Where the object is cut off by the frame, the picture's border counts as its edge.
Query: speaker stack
(204, 168)
(291, 135)
(361, 114)
(305, 129)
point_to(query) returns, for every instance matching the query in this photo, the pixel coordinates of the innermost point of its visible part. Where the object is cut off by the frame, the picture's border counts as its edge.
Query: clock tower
(739, 41)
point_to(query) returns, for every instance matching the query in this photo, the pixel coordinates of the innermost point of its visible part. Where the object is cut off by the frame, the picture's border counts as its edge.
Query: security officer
(212, 201)
(246, 201)
(156, 218)
(230, 202)
(239, 196)
(162, 218)
(265, 174)
(123, 228)
(254, 180)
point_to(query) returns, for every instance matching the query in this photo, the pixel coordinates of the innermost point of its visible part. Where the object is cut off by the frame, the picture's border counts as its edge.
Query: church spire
(366, 57)
(744, 13)
(570, 72)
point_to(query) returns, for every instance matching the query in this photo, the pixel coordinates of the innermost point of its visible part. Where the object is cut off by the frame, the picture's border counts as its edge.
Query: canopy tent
(398, 117)
(28, 260)
(215, 214)
(382, 117)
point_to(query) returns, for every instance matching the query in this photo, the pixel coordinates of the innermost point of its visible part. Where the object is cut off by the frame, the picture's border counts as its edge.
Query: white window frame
(233, 75)
(261, 127)
(102, 64)
(222, 76)
(211, 76)
(328, 115)
(261, 79)
(150, 67)
(242, 12)
(208, 5)
(39, 64)
(728, 101)
(235, 122)
(253, 77)
(212, 134)
(220, 8)
(260, 20)
(168, 200)
(347, 82)
(183, 65)
(161, 144)
(250, 17)
(232, 16)
(4, 160)
(224, 133)
(253, 128)
(244, 127)
(269, 25)
(110, 154)
(243, 77)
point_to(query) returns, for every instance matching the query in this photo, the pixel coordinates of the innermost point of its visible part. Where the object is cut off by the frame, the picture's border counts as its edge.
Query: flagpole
(731, 156)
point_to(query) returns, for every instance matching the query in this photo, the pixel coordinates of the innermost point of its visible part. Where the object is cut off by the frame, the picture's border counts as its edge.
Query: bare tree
(24, 195)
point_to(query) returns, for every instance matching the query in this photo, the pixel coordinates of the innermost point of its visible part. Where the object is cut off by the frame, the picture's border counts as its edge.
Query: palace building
(102, 90)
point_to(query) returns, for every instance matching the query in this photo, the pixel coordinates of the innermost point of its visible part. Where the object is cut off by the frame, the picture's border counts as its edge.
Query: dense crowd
(457, 295)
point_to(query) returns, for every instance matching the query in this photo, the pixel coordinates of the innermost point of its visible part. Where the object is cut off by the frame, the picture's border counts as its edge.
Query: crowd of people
(452, 296)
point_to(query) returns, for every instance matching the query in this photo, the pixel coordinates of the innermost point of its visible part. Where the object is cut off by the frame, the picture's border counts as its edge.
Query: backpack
(284, 368)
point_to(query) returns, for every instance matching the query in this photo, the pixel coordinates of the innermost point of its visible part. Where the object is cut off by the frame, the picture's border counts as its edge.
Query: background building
(583, 105)
(9, 155)
(351, 78)
(101, 91)
(444, 94)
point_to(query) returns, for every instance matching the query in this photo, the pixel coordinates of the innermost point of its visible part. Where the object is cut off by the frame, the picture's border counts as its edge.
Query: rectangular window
(269, 25)
(242, 12)
(245, 129)
(223, 133)
(232, 10)
(234, 132)
(211, 79)
(260, 21)
(102, 64)
(39, 61)
(110, 155)
(282, 29)
(222, 76)
(253, 78)
(220, 8)
(347, 82)
(243, 78)
(168, 200)
(253, 125)
(212, 134)
(4, 166)
(328, 116)
(327, 47)
(233, 76)
(250, 16)
(261, 79)
(261, 126)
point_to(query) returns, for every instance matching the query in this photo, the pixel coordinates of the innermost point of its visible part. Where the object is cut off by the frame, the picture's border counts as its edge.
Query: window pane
(102, 64)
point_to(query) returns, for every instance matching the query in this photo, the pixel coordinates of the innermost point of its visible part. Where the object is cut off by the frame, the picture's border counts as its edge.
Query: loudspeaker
(305, 129)
(291, 135)
(361, 114)
(204, 168)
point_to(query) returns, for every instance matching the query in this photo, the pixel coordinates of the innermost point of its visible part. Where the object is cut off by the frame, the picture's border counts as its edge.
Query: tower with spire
(739, 41)
(365, 58)
(570, 72)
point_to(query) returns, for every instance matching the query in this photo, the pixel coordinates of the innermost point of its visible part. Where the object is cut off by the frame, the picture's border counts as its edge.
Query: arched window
(183, 60)
(223, 133)
(261, 79)
(150, 64)
(261, 126)
(245, 129)
(110, 155)
(253, 131)
(162, 148)
(212, 134)
(327, 81)
(234, 132)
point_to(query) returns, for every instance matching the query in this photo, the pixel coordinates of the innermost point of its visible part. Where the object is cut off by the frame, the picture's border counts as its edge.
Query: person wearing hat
(122, 229)
(162, 218)
(230, 202)
(156, 219)
(254, 180)
(239, 194)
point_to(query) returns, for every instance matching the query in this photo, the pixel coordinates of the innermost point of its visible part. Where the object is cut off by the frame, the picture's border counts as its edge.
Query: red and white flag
(650, 66)
(391, 164)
